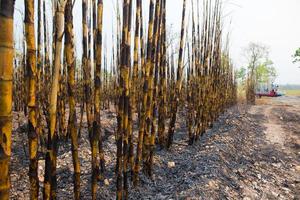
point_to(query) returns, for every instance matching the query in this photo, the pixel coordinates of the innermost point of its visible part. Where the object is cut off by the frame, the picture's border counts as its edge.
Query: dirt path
(274, 133)
(276, 130)
(281, 122)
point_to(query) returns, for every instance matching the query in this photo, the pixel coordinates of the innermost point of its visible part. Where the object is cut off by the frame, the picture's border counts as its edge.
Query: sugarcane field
(149, 99)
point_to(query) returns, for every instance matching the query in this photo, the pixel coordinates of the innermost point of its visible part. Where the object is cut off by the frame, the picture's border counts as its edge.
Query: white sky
(274, 23)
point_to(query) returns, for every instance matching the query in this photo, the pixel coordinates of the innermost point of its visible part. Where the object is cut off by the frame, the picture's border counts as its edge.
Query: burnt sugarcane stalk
(6, 86)
(149, 111)
(51, 156)
(144, 138)
(32, 86)
(97, 100)
(178, 85)
(127, 123)
(123, 108)
(162, 93)
(70, 60)
(157, 53)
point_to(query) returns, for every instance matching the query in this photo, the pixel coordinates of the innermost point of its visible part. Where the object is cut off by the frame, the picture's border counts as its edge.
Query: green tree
(260, 69)
(296, 56)
(241, 74)
(260, 66)
(255, 54)
(266, 72)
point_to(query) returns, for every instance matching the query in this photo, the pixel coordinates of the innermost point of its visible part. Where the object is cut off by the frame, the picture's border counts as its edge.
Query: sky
(274, 23)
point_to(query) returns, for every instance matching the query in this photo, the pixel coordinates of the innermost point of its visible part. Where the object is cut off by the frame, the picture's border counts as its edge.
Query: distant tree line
(289, 87)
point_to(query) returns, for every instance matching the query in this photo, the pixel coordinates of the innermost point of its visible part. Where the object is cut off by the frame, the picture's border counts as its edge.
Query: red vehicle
(272, 93)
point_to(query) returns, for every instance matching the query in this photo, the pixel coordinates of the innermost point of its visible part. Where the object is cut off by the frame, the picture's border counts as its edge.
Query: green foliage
(260, 67)
(266, 72)
(296, 56)
(240, 76)
(241, 73)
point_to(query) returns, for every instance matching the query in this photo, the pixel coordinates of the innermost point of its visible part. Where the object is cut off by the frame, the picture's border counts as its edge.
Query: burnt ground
(250, 153)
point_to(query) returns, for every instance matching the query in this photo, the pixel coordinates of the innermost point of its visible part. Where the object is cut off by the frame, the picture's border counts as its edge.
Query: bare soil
(250, 153)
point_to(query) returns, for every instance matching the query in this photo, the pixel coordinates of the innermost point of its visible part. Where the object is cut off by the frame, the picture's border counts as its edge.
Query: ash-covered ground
(250, 153)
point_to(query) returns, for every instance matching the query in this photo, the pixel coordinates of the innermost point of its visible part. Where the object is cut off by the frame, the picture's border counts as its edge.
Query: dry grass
(263, 101)
(292, 92)
(241, 95)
